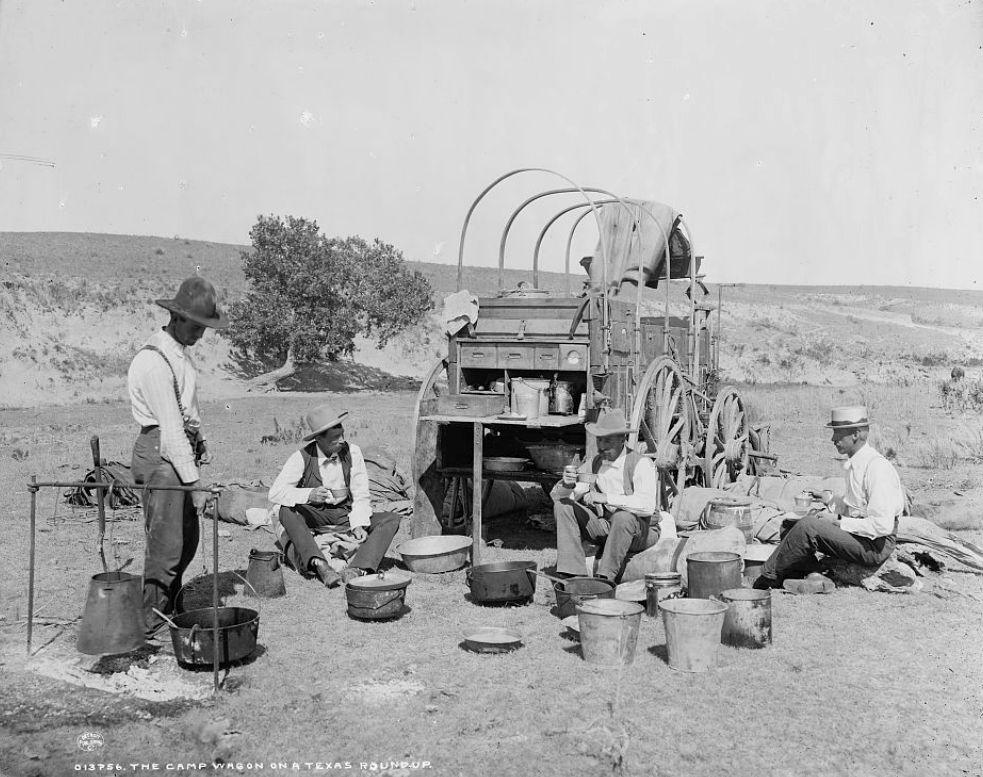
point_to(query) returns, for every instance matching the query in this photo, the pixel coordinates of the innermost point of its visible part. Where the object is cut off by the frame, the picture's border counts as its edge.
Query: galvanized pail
(747, 622)
(693, 629)
(709, 573)
(609, 631)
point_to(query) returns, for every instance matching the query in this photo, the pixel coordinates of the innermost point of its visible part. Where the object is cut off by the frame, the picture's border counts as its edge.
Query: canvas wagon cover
(623, 247)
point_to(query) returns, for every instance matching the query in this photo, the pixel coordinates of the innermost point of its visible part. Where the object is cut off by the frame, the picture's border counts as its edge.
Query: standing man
(324, 488)
(617, 511)
(162, 384)
(861, 526)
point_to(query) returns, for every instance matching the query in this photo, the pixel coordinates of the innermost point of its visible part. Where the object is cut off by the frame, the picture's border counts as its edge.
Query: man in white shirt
(616, 512)
(164, 401)
(324, 487)
(861, 526)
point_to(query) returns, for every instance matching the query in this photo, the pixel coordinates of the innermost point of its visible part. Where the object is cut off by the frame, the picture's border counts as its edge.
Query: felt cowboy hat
(322, 418)
(852, 417)
(609, 421)
(195, 301)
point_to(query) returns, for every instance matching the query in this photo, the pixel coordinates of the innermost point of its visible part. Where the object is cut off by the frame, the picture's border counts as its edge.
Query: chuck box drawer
(479, 355)
(517, 356)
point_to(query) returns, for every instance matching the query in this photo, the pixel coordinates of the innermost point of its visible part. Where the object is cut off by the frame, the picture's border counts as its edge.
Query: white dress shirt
(152, 401)
(611, 482)
(874, 495)
(285, 493)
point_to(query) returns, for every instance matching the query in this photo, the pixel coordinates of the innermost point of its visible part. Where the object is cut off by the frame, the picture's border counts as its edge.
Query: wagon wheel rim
(727, 447)
(661, 418)
(432, 386)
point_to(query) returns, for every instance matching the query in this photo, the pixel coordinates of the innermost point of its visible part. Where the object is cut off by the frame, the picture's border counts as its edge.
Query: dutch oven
(502, 581)
(376, 597)
(193, 635)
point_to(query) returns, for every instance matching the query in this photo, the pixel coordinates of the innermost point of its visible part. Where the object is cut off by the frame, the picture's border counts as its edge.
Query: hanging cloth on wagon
(638, 235)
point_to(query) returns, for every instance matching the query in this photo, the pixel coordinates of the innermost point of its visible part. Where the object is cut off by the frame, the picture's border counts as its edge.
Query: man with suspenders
(162, 384)
(616, 510)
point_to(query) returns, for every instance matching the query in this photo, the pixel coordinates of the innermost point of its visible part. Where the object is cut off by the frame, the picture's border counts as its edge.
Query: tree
(309, 296)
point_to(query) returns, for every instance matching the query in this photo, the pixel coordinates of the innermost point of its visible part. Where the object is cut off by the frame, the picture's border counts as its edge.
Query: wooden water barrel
(730, 511)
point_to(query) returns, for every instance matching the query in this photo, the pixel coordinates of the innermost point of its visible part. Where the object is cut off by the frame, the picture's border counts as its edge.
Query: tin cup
(339, 493)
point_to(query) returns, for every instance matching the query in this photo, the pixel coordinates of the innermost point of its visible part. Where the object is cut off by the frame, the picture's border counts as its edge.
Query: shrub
(309, 295)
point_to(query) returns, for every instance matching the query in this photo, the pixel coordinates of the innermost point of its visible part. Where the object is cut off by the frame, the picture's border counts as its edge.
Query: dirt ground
(855, 682)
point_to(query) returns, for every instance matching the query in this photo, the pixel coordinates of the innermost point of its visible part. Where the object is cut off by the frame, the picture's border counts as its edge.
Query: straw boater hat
(195, 301)
(853, 417)
(610, 421)
(322, 418)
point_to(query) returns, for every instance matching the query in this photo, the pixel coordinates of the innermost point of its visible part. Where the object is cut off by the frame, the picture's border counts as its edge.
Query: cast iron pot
(194, 635)
(502, 581)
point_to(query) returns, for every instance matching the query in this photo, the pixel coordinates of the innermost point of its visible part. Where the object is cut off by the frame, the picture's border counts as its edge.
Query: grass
(327, 688)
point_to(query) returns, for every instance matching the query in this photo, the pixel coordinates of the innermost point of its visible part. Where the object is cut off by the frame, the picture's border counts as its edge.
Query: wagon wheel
(430, 486)
(661, 417)
(728, 447)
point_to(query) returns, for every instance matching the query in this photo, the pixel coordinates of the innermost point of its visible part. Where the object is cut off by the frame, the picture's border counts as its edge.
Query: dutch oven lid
(386, 581)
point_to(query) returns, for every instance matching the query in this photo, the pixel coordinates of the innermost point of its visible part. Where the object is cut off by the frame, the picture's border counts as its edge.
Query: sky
(811, 142)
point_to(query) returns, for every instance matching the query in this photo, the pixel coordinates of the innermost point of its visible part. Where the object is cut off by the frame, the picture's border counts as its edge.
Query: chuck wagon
(527, 368)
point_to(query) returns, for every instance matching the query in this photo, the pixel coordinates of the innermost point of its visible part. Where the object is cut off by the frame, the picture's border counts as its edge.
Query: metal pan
(492, 639)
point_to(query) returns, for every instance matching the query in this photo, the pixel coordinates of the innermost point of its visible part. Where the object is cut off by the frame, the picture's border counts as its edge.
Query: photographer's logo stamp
(89, 741)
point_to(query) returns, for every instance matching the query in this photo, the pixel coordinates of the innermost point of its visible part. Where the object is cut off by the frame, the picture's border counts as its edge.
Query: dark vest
(631, 461)
(312, 474)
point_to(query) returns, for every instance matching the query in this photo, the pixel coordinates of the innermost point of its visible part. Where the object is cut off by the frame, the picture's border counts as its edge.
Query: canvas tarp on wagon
(625, 246)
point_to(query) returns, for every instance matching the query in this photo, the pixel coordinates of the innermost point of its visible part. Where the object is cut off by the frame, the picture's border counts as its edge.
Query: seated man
(859, 527)
(324, 488)
(616, 511)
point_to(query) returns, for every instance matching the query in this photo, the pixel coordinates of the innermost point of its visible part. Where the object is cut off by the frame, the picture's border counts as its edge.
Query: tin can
(660, 586)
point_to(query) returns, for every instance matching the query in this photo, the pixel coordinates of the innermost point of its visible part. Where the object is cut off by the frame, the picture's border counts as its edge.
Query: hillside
(76, 306)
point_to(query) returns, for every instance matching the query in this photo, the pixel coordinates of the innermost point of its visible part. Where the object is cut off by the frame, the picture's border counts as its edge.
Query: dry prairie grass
(329, 688)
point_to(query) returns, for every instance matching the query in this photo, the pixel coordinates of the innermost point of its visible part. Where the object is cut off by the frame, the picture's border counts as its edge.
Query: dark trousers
(171, 528)
(621, 532)
(302, 522)
(819, 533)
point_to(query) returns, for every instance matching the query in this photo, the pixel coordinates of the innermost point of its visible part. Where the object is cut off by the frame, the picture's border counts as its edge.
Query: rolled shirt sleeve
(154, 384)
(644, 490)
(284, 491)
(361, 513)
(874, 499)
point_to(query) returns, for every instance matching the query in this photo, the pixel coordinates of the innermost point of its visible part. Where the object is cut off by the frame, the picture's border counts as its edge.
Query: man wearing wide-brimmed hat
(614, 510)
(162, 383)
(860, 527)
(324, 489)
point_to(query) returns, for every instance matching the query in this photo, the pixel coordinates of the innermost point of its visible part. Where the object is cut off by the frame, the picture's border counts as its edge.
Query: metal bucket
(693, 629)
(660, 586)
(609, 631)
(194, 638)
(530, 397)
(576, 590)
(730, 511)
(264, 574)
(747, 622)
(709, 573)
(502, 581)
(376, 597)
(112, 621)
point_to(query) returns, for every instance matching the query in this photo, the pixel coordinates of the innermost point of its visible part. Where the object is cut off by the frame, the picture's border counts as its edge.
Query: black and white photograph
(491, 387)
